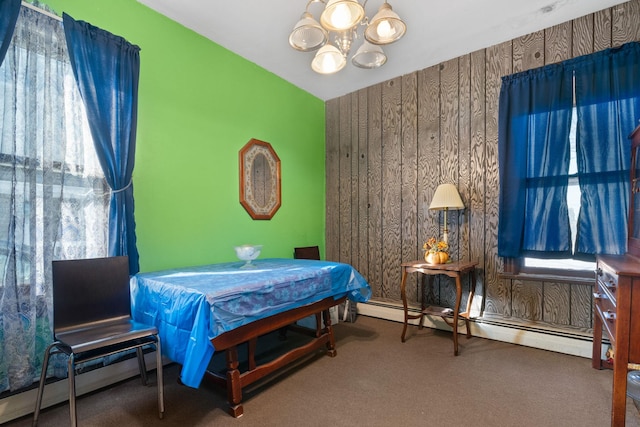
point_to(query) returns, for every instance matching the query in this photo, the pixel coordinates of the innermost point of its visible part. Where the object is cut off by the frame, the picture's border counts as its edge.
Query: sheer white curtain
(53, 196)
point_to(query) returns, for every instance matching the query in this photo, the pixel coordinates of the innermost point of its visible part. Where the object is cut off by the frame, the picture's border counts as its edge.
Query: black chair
(307, 252)
(92, 319)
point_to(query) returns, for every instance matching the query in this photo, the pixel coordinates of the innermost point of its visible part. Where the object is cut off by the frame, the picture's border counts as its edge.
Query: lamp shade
(307, 35)
(369, 56)
(328, 60)
(446, 197)
(340, 15)
(385, 27)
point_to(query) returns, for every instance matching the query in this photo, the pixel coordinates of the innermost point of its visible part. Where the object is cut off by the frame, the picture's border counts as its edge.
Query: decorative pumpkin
(436, 257)
(435, 251)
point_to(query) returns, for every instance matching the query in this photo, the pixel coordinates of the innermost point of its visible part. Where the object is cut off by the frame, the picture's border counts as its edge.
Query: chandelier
(333, 36)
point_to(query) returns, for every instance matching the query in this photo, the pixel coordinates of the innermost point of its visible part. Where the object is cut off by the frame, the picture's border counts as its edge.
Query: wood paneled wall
(390, 145)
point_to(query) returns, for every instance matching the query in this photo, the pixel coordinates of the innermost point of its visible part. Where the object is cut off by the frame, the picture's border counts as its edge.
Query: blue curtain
(9, 10)
(533, 150)
(107, 69)
(608, 105)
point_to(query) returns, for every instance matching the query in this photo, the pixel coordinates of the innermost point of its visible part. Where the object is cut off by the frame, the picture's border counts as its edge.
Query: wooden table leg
(403, 293)
(472, 292)
(234, 386)
(424, 280)
(456, 313)
(596, 350)
(331, 343)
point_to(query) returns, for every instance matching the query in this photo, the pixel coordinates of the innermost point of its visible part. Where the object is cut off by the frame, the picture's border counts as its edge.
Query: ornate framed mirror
(259, 179)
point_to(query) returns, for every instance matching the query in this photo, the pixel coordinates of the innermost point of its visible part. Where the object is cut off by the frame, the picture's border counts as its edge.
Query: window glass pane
(573, 204)
(560, 264)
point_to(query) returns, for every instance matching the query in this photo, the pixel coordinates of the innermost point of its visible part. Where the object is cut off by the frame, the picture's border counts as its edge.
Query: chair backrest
(307, 252)
(90, 290)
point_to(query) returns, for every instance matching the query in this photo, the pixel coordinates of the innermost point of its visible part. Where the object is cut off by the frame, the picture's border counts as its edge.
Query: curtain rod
(42, 11)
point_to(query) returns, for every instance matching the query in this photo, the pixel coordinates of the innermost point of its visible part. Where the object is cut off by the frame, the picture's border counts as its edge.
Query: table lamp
(446, 197)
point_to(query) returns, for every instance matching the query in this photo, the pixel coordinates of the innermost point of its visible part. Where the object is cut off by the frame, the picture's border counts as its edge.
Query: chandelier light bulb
(384, 30)
(385, 27)
(328, 60)
(341, 17)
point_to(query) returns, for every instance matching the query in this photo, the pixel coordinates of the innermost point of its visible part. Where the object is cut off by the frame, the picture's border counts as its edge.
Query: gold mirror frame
(259, 179)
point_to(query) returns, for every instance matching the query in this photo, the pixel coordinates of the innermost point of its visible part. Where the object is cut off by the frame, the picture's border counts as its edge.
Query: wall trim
(21, 404)
(547, 338)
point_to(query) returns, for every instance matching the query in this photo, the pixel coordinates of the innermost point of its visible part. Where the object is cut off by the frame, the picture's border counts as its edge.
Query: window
(53, 196)
(564, 160)
(566, 265)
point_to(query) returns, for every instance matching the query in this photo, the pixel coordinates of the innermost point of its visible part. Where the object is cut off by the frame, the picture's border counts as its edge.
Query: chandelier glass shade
(385, 27)
(369, 56)
(328, 60)
(308, 35)
(334, 35)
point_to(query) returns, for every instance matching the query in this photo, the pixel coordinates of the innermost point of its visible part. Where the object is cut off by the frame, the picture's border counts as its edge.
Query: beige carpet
(376, 380)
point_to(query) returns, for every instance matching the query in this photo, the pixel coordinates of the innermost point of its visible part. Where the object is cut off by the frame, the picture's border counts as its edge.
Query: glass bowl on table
(248, 253)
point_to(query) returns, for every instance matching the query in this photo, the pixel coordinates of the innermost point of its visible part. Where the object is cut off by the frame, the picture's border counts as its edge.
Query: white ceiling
(437, 30)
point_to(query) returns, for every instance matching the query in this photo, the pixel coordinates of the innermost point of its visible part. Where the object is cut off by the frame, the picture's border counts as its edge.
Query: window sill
(541, 277)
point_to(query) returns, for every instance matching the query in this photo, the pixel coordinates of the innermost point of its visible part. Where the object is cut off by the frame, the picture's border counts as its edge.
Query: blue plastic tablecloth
(192, 305)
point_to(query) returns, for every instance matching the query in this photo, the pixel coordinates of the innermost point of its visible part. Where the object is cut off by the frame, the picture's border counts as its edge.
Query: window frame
(515, 267)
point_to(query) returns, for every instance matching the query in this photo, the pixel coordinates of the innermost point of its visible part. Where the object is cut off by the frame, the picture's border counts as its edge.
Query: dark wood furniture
(450, 316)
(617, 300)
(235, 381)
(617, 311)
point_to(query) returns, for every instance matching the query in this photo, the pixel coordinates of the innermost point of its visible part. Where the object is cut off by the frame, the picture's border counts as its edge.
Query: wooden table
(450, 316)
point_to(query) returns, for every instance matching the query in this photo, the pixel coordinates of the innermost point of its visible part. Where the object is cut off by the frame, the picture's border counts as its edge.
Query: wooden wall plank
(528, 51)
(428, 149)
(449, 161)
(557, 303)
(374, 116)
(582, 36)
(353, 156)
(624, 23)
(582, 306)
(409, 191)
(558, 43)
(363, 190)
(464, 161)
(602, 30)
(392, 187)
(332, 160)
(527, 300)
(476, 207)
(497, 293)
(345, 180)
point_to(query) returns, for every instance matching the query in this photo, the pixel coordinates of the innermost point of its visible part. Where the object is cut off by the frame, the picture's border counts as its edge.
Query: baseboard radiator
(558, 340)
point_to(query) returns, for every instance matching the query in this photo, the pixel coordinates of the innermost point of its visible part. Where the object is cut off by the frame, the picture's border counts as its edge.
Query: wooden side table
(450, 316)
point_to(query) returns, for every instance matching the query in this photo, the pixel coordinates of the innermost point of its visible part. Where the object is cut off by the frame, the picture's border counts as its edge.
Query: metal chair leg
(43, 378)
(142, 365)
(71, 367)
(159, 378)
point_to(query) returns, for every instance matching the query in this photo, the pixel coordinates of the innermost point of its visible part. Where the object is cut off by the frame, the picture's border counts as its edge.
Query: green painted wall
(198, 106)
